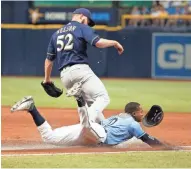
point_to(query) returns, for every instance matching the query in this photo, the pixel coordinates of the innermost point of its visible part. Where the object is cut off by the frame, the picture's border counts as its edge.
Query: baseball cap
(86, 13)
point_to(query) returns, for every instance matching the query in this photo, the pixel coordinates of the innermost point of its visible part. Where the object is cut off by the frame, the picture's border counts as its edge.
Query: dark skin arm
(153, 142)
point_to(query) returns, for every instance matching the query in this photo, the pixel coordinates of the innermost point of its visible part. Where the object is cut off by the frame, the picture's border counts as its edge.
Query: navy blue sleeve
(51, 51)
(90, 36)
(151, 140)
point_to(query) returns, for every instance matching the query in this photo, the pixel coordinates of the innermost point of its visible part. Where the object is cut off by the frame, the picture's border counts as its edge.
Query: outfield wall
(24, 52)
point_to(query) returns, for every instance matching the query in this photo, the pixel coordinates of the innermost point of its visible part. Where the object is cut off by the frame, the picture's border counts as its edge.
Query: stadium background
(157, 45)
(34, 22)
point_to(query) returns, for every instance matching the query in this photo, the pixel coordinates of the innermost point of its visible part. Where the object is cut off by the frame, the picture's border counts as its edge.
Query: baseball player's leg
(63, 136)
(66, 78)
(86, 133)
(96, 96)
(93, 89)
(67, 135)
(92, 132)
(73, 74)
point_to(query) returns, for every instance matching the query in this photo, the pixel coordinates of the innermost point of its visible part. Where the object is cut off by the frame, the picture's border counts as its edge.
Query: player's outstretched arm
(47, 70)
(104, 43)
(153, 142)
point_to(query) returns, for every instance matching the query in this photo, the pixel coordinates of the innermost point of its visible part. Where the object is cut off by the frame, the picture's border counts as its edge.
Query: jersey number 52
(69, 42)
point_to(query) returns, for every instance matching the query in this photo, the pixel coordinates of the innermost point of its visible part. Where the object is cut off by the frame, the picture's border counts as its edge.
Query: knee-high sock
(38, 119)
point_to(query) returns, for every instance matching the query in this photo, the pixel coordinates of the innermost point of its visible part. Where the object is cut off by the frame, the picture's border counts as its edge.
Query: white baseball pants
(85, 133)
(93, 90)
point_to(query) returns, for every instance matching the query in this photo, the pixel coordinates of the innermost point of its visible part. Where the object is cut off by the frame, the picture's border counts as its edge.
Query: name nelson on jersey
(66, 29)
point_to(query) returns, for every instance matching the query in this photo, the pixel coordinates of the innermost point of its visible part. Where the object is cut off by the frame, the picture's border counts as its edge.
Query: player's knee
(50, 138)
(46, 132)
(47, 138)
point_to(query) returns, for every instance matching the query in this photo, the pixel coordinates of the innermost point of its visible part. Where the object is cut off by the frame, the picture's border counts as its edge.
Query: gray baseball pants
(93, 90)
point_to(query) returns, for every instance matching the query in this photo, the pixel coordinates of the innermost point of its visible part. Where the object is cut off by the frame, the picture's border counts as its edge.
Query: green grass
(122, 160)
(172, 96)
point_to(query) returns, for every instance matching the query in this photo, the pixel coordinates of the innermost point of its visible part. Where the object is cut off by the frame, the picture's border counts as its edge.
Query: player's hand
(168, 146)
(119, 48)
(175, 148)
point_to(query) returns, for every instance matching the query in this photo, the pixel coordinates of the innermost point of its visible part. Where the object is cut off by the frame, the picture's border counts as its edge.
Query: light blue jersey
(120, 129)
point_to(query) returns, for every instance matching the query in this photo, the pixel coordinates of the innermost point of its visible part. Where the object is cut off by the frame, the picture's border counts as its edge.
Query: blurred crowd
(162, 8)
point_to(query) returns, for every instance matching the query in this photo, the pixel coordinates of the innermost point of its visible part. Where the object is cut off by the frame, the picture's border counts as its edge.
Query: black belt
(71, 64)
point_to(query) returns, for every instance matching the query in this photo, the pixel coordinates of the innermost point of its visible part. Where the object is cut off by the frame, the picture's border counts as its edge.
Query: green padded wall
(74, 3)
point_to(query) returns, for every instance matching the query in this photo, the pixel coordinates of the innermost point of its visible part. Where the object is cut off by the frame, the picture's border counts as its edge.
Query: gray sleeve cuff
(51, 57)
(95, 40)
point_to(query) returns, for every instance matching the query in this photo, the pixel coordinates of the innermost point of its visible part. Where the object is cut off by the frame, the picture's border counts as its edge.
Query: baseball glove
(51, 89)
(153, 117)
